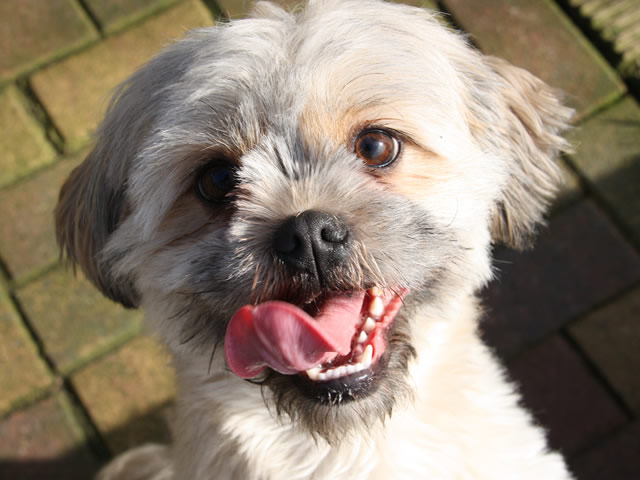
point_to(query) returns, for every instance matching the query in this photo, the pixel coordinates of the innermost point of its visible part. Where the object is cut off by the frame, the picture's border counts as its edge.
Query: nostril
(333, 233)
(286, 240)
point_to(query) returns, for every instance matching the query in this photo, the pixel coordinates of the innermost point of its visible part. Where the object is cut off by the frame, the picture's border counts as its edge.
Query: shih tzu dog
(304, 205)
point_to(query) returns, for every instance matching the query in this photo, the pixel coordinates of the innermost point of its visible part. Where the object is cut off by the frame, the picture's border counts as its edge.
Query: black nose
(315, 242)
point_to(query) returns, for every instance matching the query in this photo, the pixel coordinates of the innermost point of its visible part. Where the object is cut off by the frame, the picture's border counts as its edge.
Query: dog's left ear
(522, 119)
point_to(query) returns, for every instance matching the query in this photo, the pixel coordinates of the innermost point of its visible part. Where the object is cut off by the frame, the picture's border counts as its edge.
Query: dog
(304, 205)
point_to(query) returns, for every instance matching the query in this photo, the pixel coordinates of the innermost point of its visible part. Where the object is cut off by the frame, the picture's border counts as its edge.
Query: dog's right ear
(93, 200)
(90, 207)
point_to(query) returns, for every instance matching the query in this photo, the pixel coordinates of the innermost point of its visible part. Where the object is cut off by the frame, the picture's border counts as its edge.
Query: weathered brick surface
(44, 442)
(73, 320)
(536, 35)
(571, 189)
(419, 3)
(608, 155)
(613, 459)
(580, 261)
(126, 393)
(611, 338)
(23, 374)
(239, 8)
(27, 239)
(113, 15)
(76, 90)
(23, 146)
(33, 32)
(551, 378)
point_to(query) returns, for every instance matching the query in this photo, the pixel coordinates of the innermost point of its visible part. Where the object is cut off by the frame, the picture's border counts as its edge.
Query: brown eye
(216, 181)
(377, 148)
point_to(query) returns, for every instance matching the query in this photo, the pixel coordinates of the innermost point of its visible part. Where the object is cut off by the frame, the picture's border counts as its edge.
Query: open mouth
(336, 336)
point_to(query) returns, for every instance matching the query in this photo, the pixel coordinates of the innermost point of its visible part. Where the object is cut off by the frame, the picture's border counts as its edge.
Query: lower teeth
(316, 374)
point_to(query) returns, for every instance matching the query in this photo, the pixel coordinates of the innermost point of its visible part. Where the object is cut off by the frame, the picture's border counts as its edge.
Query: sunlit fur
(283, 96)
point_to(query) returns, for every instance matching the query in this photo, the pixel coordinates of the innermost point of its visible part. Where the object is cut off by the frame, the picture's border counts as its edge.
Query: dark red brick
(536, 35)
(610, 336)
(618, 458)
(564, 397)
(580, 261)
(44, 442)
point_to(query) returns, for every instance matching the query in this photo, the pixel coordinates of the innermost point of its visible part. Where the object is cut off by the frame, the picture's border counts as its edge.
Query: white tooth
(322, 377)
(366, 357)
(374, 291)
(313, 373)
(369, 325)
(341, 371)
(351, 369)
(363, 336)
(376, 307)
(329, 374)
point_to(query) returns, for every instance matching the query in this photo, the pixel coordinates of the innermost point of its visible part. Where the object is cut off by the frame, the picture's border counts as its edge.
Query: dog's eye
(377, 148)
(216, 181)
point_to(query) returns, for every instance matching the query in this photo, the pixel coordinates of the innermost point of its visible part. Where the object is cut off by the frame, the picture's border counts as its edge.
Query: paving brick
(113, 15)
(76, 90)
(33, 32)
(23, 374)
(571, 190)
(536, 35)
(419, 3)
(23, 146)
(614, 459)
(564, 397)
(608, 154)
(27, 239)
(127, 392)
(74, 322)
(239, 8)
(610, 336)
(44, 441)
(579, 262)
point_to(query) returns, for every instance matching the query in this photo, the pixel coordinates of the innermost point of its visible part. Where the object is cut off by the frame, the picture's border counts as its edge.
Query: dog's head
(296, 187)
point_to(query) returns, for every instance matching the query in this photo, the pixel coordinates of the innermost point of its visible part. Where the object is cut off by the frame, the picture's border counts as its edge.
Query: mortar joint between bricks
(37, 110)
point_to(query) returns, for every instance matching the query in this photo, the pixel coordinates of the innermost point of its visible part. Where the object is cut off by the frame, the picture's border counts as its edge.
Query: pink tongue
(282, 336)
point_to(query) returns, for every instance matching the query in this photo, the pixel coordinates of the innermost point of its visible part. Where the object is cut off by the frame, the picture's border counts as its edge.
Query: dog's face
(297, 188)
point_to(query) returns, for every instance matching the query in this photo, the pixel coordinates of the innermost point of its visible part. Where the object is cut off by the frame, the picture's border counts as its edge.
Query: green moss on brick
(74, 321)
(76, 91)
(23, 374)
(23, 146)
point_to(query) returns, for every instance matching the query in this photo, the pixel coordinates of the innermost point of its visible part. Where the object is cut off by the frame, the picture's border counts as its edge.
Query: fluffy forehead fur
(475, 124)
(283, 97)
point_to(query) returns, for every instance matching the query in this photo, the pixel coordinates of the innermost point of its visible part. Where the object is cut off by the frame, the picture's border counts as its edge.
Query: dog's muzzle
(337, 337)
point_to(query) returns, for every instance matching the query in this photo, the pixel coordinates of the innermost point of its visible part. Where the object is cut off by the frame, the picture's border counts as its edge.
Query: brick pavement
(78, 380)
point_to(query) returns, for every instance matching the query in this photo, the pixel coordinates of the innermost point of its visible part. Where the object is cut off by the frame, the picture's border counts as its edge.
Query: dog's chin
(351, 392)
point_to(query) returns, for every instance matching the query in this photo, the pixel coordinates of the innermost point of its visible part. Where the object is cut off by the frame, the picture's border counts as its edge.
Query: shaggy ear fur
(527, 123)
(88, 211)
(93, 200)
